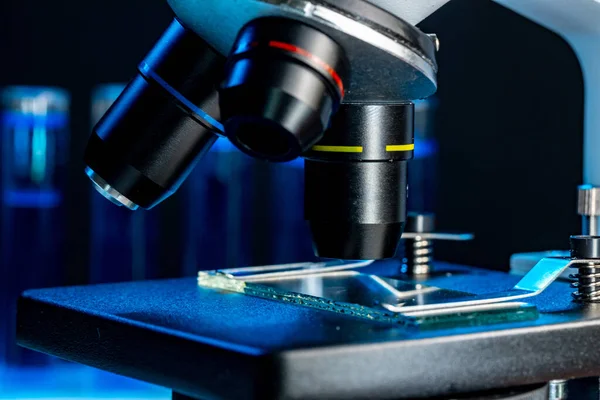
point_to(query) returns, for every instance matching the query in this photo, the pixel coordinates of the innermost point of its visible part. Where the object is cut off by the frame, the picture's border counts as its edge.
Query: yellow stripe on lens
(400, 147)
(338, 149)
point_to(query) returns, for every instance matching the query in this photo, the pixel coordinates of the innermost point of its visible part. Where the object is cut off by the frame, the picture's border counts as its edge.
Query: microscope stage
(211, 344)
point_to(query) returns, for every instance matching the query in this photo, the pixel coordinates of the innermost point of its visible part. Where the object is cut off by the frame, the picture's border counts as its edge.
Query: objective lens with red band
(304, 53)
(284, 80)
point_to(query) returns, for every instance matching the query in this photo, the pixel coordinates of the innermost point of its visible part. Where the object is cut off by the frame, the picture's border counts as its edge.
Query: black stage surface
(207, 344)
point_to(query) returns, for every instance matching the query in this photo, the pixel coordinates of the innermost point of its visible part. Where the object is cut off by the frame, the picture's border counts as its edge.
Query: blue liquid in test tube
(34, 123)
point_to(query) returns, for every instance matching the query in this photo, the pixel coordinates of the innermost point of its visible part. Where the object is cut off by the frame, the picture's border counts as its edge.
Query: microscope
(331, 81)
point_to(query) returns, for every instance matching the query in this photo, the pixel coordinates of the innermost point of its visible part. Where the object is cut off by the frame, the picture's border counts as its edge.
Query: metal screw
(436, 41)
(588, 206)
(558, 390)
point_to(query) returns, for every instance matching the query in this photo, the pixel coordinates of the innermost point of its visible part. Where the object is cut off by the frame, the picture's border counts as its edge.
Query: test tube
(124, 243)
(35, 142)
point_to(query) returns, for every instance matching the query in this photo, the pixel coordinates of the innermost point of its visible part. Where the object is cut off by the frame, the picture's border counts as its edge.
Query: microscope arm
(578, 22)
(410, 10)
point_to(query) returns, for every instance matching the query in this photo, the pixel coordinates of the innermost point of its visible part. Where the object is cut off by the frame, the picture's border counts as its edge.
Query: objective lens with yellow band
(400, 147)
(363, 155)
(367, 132)
(338, 149)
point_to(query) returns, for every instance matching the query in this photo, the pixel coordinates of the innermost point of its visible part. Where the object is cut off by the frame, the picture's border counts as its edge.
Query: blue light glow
(425, 148)
(60, 380)
(49, 120)
(108, 92)
(223, 146)
(30, 198)
(238, 75)
(297, 163)
(50, 95)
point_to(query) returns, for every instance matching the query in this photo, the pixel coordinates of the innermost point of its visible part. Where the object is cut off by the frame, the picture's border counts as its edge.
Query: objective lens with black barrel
(356, 181)
(283, 82)
(165, 119)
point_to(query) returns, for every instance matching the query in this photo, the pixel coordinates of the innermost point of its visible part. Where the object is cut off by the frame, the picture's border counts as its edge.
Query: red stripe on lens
(295, 49)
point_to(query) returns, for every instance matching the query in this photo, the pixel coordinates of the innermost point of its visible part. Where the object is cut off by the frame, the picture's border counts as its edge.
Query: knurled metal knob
(420, 222)
(588, 201)
(585, 247)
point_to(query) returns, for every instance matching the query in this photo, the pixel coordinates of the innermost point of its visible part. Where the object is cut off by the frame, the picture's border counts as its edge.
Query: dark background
(509, 122)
